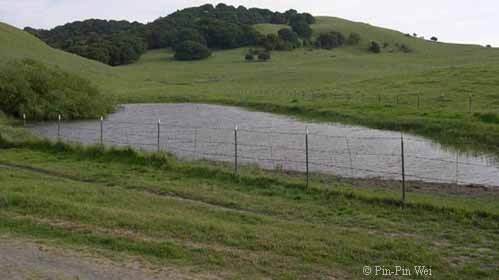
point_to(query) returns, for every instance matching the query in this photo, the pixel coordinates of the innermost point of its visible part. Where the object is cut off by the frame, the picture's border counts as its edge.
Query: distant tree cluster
(110, 42)
(262, 55)
(334, 39)
(191, 50)
(214, 27)
(285, 40)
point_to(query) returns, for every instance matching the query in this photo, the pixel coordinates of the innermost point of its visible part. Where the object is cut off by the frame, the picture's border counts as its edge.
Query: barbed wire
(197, 140)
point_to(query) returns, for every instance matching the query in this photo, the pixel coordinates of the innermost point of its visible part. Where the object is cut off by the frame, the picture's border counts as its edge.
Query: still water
(195, 131)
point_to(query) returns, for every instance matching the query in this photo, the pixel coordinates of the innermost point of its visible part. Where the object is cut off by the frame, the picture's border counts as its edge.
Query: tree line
(192, 33)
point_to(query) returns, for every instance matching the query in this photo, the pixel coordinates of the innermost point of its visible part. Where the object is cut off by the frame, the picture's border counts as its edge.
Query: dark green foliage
(42, 92)
(375, 47)
(220, 27)
(489, 46)
(261, 54)
(190, 50)
(385, 45)
(110, 42)
(271, 42)
(189, 34)
(302, 28)
(330, 40)
(353, 39)
(264, 56)
(434, 39)
(249, 57)
(289, 38)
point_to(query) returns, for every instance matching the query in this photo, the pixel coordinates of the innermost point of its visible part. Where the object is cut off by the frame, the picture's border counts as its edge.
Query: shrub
(289, 38)
(353, 39)
(249, 57)
(264, 56)
(302, 28)
(271, 42)
(404, 48)
(190, 50)
(375, 47)
(330, 40)
(42, 92)
(489, 46)
(434, 39)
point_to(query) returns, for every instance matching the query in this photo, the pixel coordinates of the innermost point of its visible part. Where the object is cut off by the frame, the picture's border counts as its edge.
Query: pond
(201, 131)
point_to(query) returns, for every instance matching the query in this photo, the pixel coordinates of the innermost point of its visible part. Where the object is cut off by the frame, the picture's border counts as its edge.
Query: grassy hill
(17, 44)
(347, 84)
(198, 217)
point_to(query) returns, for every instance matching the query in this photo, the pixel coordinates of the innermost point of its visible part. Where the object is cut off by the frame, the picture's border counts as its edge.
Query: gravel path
(20, 260)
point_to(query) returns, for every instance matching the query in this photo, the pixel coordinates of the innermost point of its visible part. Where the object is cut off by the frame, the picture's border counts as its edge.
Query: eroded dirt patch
(20, 259)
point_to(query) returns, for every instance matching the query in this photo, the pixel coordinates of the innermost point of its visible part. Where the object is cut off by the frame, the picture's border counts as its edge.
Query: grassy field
(348, 85)
(197, 216)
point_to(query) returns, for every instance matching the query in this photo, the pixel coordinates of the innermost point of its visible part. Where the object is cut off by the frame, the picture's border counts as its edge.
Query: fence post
(24, 119)
(349, 156)
(159, 135)
(59, 127)
(403, 166)
(235, 151)
(306, 156)
(195, 143)
(102, 130)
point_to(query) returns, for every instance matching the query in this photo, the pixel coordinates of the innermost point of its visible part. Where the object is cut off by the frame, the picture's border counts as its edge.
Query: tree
(353, 39)
(249, 57)
(375, 47)
(302, 28)
(271, 42)
(189, 34)
(190, 50)
(264, 56)
(434, 39)
(330, 40)
(489, 46)
(289, 38)
(287, 34)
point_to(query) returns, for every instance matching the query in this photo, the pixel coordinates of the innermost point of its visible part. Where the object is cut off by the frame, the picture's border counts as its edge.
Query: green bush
(264, 56)
(43, 92)
(190, 50)
(249, 57)
(375, 47)
(330, 40)
(353, 39)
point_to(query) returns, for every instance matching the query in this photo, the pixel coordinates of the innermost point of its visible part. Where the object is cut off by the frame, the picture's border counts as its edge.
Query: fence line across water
(307, 152)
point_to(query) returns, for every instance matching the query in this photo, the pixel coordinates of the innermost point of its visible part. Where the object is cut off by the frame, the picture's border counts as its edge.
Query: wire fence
(394, 158)
(465, 103)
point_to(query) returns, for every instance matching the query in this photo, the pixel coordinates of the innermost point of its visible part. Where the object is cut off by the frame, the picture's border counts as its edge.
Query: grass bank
(197, 215)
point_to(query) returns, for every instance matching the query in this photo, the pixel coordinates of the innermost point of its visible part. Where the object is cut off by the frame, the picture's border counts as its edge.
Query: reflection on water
(272, 141)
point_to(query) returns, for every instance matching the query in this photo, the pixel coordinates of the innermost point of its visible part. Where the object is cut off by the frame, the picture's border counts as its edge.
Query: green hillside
(154, 211)
(17, 44)
(347, 84)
